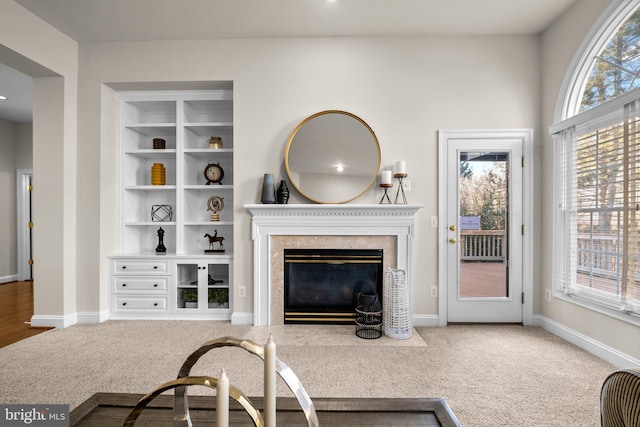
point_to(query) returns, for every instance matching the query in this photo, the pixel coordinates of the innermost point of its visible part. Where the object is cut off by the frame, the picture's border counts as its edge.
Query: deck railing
(482, 245)
(599, 254)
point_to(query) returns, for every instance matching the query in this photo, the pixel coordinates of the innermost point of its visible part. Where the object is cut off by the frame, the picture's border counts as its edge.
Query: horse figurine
(213, 239)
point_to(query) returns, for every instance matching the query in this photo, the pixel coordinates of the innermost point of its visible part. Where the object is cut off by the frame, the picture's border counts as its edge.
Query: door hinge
(522, 161)
(30, 262)
(30, 187)
(30, 224)
(522, 296)
(522, 230)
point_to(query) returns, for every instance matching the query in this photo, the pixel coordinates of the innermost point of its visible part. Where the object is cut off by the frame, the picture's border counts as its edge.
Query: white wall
(559, 45)
(24, 146)
(404, 88)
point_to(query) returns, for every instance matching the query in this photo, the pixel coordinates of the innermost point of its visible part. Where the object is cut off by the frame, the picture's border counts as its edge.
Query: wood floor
(16, 308)
(483, 279)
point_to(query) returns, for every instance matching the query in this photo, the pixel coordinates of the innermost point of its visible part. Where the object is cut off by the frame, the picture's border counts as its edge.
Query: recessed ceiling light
(2, 97)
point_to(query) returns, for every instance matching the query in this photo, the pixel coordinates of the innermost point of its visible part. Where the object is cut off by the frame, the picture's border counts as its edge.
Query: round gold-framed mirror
(332, 157)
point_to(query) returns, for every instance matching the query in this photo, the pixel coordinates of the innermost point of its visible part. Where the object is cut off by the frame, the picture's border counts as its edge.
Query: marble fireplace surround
(352, 226)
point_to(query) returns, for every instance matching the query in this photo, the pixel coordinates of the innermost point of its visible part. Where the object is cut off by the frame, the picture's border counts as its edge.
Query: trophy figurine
(213, 239)
(215, 205)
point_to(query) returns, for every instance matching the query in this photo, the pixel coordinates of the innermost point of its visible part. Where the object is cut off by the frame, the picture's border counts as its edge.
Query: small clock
(214, 173)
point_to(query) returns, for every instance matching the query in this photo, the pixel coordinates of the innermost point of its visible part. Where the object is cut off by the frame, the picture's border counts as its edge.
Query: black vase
(268, 190)
(283, 193)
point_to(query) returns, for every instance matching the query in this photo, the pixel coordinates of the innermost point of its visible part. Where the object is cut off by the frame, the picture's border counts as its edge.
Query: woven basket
(396, 312)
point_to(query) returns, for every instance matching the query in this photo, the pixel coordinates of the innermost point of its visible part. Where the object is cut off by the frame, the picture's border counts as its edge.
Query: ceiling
(128, 20)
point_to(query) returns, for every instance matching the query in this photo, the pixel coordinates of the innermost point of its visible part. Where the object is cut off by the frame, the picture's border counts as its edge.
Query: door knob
(452, 227)
(452, 241)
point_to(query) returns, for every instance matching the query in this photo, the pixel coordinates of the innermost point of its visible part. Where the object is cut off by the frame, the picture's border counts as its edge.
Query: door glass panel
(187, 277)
(483, 195)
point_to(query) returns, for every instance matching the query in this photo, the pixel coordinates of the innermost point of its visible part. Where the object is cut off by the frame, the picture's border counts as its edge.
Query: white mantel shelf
(340, 216)
(333, 209)
(323, 220)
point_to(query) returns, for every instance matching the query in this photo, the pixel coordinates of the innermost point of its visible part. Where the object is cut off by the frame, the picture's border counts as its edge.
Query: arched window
(606, 64)
(616, 68)
(597, 169)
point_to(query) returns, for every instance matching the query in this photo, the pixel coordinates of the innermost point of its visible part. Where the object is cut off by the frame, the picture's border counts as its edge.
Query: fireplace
(349, 226)
(321, 286)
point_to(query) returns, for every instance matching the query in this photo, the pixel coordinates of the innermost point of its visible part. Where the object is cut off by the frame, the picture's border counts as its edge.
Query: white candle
(222, 401)
(386, 177)
(270, 383)
(401, 167)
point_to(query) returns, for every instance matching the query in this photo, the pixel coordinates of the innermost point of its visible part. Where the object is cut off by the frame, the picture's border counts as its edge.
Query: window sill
(599, 308)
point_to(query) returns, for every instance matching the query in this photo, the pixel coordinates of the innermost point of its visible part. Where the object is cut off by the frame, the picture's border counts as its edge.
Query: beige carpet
(491, 375)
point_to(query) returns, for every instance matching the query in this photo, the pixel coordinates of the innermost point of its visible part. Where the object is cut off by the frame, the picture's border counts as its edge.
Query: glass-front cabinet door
(202, 286)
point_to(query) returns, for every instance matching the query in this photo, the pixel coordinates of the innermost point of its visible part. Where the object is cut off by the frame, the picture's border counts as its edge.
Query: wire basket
(396, 312)
(368, 316)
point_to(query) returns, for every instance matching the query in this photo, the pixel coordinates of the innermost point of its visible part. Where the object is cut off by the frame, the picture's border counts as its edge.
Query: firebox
(321, 286)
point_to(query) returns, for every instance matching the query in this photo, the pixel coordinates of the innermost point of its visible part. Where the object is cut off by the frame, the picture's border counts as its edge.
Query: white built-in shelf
(207, 223)
(153, 154)
(151, 187)
(186, 120)
(150, 223)
(211, 187)
(218, 151)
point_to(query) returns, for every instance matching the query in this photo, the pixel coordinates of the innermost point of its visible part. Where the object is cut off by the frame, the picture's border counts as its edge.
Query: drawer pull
(155, 304)
(124, 303)
(124, 284)
(155, 267)
(155, 285)
(124, 267)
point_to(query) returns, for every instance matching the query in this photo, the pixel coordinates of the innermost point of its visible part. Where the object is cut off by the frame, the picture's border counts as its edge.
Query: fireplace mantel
(322, 220)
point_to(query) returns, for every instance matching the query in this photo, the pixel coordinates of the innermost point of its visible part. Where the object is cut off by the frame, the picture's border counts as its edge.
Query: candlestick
(401, 167)
(270, 383)
(385, 195)
(386, 177)
(400, 191)
(222, 401)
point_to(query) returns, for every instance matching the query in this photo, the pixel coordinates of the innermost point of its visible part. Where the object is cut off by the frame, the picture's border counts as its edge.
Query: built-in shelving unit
(185, 121)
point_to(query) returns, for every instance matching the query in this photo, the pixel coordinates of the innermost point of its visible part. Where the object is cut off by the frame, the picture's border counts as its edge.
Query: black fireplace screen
(322, 285)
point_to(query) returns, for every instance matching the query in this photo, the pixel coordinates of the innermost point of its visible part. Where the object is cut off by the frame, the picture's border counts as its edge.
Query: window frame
(568, 115)
(565, 263)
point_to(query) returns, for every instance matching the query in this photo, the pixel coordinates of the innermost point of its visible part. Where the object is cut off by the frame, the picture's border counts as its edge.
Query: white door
(484, 223)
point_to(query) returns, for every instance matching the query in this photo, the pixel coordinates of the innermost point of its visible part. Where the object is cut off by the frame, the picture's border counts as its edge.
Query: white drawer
(124, 303)
(145, 267)
(140, 284)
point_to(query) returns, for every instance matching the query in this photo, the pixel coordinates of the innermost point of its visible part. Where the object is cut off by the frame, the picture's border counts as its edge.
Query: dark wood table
(111, 409)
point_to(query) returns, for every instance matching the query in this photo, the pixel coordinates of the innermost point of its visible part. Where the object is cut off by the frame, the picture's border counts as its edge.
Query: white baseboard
(65, 321)
(245, 319)
(615, 357)
(430, 320)
(10, 278)
(93, 317)
(60, 322)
